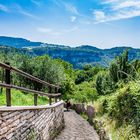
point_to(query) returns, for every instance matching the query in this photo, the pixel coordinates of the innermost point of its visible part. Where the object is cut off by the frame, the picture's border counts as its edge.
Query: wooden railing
(7, 84)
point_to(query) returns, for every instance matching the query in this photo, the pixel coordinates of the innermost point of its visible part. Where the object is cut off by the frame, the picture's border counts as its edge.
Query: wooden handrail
(20, 72)
(8, 86)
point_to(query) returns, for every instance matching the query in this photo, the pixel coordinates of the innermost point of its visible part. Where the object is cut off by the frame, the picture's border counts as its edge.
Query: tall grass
(21, 99)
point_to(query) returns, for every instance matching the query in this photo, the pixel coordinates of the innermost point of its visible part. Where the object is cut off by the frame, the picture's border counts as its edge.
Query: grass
(21, 99)
(123, 132)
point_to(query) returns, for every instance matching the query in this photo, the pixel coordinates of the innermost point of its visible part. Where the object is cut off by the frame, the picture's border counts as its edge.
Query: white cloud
(48, 31)
(67, 5)
(99, 15)
(57, 3)
(71, 8)
(126, 14)
(118, 16)
(53, 32)
(3, 8)
(109, 1)
(44, 30)
(70, 29)
(37, 3)
(25, 13)
(73, 18)
(127, 4)
(117, 10)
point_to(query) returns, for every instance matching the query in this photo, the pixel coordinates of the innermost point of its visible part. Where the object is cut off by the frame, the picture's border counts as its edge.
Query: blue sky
(102, 23)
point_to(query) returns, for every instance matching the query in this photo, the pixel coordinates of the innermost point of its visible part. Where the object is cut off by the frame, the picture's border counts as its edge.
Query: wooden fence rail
(8, 86)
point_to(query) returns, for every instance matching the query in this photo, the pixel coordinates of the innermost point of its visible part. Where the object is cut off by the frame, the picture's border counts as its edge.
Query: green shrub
(85, 93)
(125, 107)
(99, 84)
(104, 84)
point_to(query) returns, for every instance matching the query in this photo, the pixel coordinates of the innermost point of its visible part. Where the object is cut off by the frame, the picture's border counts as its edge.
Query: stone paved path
(76, 128)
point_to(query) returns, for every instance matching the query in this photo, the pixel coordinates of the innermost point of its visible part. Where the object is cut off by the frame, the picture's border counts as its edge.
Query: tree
(87, 67)
(113, 72)
(123, 65)
(99, 84)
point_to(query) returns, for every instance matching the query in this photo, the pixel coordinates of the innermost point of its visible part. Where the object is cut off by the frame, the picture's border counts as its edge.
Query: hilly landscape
(78, 56)
(110, 85)
(69, 63)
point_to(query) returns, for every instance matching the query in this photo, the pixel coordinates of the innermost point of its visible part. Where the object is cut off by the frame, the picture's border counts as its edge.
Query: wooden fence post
(56, 91)
(60, 98)
(35, 99)
(60, 95)
(35, 95)
(8, 91)
(50, 98)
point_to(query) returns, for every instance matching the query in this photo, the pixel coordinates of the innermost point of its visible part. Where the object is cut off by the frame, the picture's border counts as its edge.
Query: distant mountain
(88, 48)
(24, 43)
(78, 56)
(17, 42)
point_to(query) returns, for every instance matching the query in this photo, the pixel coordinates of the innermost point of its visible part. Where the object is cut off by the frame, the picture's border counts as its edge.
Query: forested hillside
(114, 90)
(78, 56)
(83, 55)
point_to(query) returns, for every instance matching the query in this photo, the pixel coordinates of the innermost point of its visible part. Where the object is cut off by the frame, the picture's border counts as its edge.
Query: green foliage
(126, 107)
(67, 88)
(87, 67)
(123, 106)
(44, 68)
(99, 84)
(87, 74)
(122, 69)
(48, 70)
(113, 71)
(122, 62)
(104, 84)
(85, 93)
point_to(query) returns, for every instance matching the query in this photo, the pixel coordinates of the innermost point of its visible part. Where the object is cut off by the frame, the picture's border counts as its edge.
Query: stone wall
(31, 123)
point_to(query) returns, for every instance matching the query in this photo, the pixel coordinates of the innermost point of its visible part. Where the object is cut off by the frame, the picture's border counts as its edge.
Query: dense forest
(114, 91)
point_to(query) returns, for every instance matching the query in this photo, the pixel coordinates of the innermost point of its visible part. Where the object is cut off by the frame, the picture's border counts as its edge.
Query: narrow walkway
(76, 128)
